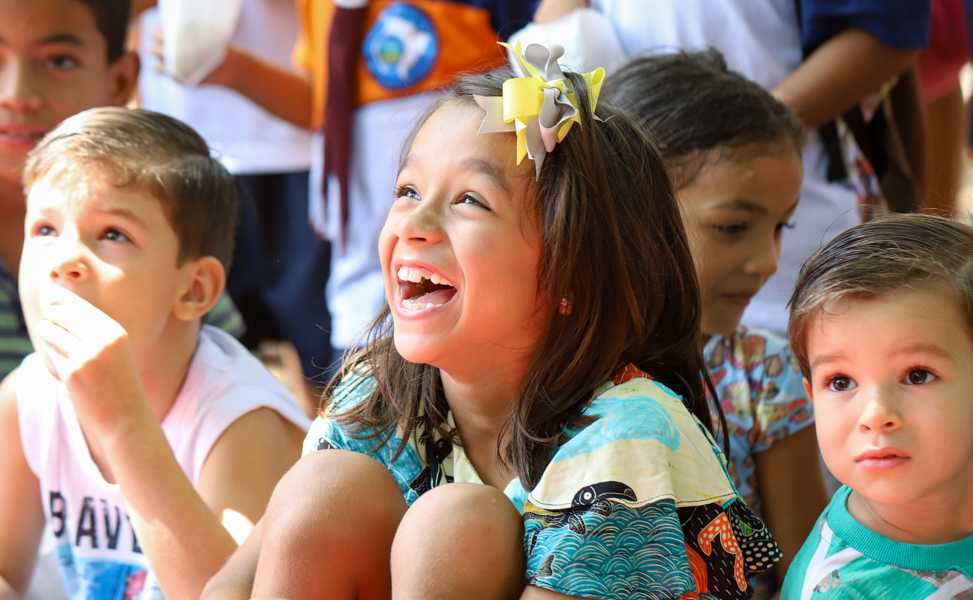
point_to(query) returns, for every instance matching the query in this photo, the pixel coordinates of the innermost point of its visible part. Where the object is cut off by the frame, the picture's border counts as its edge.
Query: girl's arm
(840, 74)
(792, 491)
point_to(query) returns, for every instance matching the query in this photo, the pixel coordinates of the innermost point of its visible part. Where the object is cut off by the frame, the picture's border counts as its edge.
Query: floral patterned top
(636, 503)
(759, 384)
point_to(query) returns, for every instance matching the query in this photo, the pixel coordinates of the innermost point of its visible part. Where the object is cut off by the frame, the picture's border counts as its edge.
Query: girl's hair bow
(540, 107)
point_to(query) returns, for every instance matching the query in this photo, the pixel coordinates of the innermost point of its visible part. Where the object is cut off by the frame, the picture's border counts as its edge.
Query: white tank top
(99, 556)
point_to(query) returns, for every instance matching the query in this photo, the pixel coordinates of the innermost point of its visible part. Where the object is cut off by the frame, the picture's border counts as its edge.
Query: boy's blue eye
(840, 383)
(919, 377)
(44, 230)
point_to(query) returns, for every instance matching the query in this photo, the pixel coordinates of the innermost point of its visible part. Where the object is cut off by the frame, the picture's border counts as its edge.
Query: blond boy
(138, 435)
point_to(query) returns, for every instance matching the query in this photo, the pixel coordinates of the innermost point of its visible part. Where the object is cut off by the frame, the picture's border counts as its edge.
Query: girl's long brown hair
(614, 246)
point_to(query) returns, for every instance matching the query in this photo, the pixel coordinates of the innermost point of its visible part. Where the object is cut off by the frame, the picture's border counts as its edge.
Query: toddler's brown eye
(840, 384)
(919, 377)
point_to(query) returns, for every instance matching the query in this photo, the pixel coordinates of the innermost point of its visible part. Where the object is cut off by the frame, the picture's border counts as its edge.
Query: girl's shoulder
(637, 438)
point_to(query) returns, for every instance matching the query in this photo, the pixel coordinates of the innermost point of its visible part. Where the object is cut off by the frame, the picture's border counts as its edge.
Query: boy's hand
(89, 352)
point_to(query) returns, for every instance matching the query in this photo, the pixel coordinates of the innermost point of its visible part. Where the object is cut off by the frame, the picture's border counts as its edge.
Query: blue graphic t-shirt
(635, 504)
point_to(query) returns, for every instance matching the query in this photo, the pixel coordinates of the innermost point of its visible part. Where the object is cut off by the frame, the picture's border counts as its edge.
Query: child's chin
(414, 350)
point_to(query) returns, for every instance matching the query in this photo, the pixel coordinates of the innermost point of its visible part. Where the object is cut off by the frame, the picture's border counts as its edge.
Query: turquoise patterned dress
(635, 504)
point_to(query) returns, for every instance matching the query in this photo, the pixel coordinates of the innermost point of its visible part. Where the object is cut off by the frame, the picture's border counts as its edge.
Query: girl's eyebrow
(489, 169)
(744, 205)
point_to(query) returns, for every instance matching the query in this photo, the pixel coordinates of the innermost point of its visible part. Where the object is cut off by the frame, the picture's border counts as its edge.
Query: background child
(133, 426)
(57, 58)
(527, 345)
(881, 323)
(733, 154)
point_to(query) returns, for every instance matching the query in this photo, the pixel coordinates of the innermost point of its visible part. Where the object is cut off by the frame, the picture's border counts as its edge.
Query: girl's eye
(732, 230)
(406, 192)
(782, 226)
(63, 62)
(919, 377)
(840, 383)
(114, 235)
(471, 200)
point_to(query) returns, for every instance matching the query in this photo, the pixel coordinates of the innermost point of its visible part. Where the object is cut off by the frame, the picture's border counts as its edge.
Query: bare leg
(459, 541)
(328, 530)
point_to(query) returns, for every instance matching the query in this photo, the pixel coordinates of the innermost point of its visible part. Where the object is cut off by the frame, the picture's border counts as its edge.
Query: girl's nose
(764, 260)
(422, 224)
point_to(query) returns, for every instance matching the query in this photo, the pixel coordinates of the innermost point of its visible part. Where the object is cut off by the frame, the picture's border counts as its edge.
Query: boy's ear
(807, 389)
(124, 73)
(203, 286)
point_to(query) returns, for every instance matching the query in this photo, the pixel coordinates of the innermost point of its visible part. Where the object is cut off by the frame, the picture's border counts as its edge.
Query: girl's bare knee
(334, 508)
(456, 541)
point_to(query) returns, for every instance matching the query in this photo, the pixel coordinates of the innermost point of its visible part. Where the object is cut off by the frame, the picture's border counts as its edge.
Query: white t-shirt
(246, 138)
(95, 543)
(760, 39)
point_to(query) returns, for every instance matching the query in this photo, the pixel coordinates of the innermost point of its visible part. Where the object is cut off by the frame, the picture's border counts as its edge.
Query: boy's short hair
(111, 18)
(157, 153)
(880, 257)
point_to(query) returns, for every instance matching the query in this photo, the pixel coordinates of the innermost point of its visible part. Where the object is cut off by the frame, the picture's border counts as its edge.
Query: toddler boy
(882, 324)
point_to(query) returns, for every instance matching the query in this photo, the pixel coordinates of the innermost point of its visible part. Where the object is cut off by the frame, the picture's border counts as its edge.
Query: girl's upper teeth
(417, 275)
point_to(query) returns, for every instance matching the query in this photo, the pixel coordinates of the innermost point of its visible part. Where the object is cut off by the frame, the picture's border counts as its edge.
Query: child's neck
(12, 211)
(940, 519)
(481, 407)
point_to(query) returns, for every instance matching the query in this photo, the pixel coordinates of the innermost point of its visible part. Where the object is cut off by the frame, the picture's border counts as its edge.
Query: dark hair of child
(614, 246)
(692, 106)
(111, 18)
(878, 258)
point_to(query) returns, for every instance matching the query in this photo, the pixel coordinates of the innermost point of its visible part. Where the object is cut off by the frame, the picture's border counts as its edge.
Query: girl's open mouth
(421, 290)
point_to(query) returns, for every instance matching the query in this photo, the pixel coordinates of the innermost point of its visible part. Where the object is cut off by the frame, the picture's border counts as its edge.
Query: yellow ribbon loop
(540, 107)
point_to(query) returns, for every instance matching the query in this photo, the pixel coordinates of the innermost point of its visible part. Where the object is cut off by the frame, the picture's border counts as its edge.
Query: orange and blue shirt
(635, 503)
(411, 47)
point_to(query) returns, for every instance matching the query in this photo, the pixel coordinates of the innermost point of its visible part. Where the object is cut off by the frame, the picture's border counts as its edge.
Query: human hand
(220, 75)
(89, 352)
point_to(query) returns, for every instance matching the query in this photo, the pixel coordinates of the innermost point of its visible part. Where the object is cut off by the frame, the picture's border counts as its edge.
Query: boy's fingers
(56, 338)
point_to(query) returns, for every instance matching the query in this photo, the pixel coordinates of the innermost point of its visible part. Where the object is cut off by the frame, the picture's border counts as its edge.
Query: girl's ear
(205, 279)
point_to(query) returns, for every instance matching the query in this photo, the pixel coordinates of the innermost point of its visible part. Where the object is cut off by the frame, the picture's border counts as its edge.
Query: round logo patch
(401, 48)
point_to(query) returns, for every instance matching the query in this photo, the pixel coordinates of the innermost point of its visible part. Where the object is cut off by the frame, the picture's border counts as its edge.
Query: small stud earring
(564, 307)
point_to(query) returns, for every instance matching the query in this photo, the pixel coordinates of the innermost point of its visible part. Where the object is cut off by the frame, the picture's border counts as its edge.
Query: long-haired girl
(541, 338)
(733, 154)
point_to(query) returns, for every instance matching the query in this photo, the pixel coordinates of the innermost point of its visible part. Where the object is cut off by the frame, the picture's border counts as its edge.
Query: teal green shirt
(844, 559)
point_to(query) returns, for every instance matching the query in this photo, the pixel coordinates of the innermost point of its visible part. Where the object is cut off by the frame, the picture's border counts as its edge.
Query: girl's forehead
(450, 135)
